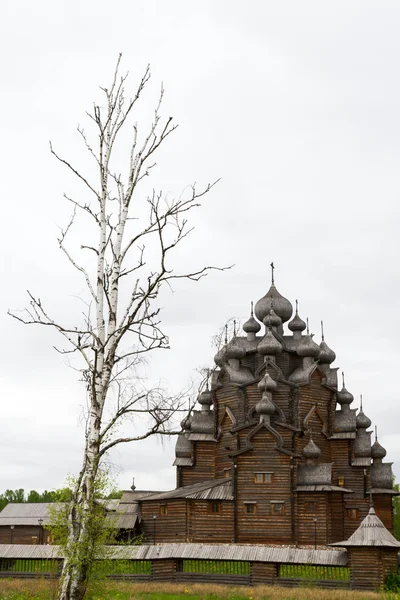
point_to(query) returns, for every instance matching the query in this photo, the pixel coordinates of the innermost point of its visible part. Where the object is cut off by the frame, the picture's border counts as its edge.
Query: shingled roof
(371, 532)
(214, 489)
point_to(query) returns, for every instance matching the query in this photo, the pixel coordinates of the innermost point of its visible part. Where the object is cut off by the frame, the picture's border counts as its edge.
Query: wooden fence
(191, 570)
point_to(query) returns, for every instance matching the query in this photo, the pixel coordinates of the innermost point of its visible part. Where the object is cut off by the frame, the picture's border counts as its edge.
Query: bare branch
(67, 164)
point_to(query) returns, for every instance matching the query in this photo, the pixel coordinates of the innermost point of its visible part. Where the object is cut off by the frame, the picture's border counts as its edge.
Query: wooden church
(276, 454)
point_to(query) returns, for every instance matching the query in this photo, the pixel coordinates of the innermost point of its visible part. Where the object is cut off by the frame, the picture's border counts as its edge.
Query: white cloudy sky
(295, 105)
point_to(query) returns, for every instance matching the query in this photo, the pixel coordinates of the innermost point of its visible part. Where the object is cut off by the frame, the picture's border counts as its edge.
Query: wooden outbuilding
(373, 553)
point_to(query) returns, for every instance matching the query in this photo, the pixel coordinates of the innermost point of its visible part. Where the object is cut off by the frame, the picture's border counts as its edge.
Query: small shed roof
(323, 488)
(135, 495)
(371, 532)
(214, 489)
(120, 520)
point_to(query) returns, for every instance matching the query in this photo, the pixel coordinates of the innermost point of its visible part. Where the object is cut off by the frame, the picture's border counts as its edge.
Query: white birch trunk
(99, 340)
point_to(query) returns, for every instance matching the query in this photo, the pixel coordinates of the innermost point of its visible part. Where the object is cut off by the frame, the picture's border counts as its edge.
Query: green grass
(17, 589)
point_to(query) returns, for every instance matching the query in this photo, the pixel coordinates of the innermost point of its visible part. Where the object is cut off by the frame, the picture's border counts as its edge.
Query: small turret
(267, 383)
(265, 407)
(205, 400)
(378, 452)
(251, 327)
(308, 348)
(311, 452)
(297, 325)
(344, 398)
(362, 443)
(326, 354)
(269, 345)
(381, 473)
(234, 351)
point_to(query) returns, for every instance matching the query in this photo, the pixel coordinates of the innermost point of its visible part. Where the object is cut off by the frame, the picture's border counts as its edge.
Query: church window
(163, 510)
(215, 507)
(227, 472)
(310, 507)
(277, 507)
(263, 477)
(341, 480)
(352, 513)
(250, 508)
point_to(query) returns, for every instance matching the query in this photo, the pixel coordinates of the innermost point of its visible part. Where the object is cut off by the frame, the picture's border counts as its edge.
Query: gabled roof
(371, 532)
(214, 489)
(28, 513)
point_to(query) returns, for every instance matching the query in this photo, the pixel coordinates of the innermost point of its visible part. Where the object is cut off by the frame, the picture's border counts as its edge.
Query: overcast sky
(295, 105)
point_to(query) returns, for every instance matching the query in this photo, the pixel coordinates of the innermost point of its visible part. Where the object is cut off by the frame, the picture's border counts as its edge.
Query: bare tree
(118, 327)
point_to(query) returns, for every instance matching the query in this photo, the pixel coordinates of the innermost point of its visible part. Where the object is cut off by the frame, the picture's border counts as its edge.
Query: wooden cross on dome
(272, 272)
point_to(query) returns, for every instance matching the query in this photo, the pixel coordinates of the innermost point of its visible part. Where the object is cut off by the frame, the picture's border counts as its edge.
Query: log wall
(263, 525)
(170, 527)
(308, 531)
(24, 534)
(203, 466)
(207, 527)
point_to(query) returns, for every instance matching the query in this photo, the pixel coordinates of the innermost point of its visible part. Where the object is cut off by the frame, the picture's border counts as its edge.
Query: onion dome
(251, 326)
(186, 423)
(282, 306)
(297, 324)
(311, 450)
(205, 399)
(269, 345)
(267, 383)
(362, 421)
(307, 347)
(265, 406)
(326, 354)
(272, 319)
(377, 451)
(344, 397)
(220, 356)
(234, 350)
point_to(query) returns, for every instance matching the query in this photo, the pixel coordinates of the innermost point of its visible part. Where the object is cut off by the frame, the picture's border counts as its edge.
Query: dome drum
(381, 476)
(362, 444)
(183, 448)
